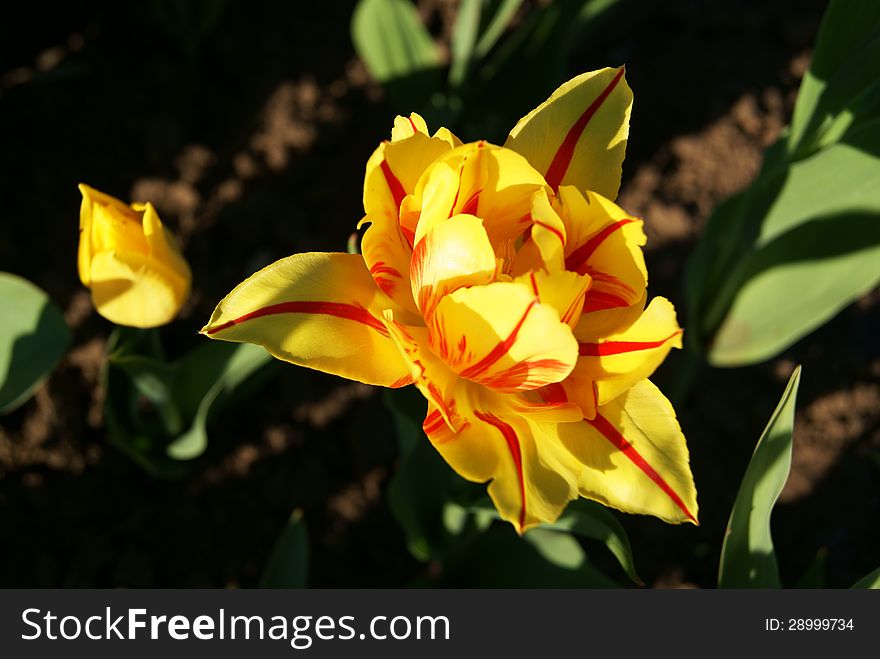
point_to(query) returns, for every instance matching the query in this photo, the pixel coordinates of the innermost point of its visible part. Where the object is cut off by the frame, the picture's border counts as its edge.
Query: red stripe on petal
(499, 350)
(470, 206)
(600, 301)
(402, 382)
(562, 159)
(614, 436)
(607, 348)
(394, 183)
(512, 440)
(555, 231)
(409, 234)
(434, 423)
(534, 283)
(353, 312)
(379, 268)
(513, 378)
(579, 257)
(554, 393)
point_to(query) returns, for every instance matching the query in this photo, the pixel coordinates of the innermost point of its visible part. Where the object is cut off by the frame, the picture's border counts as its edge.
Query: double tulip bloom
(131, 263)
(507, 286)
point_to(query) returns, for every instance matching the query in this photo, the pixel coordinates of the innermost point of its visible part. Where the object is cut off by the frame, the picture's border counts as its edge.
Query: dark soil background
(251, 141)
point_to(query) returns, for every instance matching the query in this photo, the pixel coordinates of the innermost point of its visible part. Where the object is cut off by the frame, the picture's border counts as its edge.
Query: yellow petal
(135, 290)
(564, 291)
(454, 253)
(634, 456)
(544, 246)
(395, 167)
(502, 337)
(161, 244)
(317, 310)
(408, 126)
(605, 242)
(435, 197)
(617, 362)
(532, 475)
(578, 136)
(495, 184)
(387, 254)
(106, 224)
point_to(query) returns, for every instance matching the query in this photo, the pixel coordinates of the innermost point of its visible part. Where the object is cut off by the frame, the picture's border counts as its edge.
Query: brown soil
(252, 153)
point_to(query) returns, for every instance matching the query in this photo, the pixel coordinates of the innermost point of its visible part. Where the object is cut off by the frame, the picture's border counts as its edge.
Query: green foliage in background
(803, 241)
(158, 411)
(500, 58)
(33, 337)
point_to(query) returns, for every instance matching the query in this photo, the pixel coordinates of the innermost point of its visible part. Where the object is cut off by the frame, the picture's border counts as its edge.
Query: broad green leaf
(288, 564)
(871, 581)
(589, 519)
(33, 337)
(846, 61)
(748, 559)
(464, 38)
(815, 250)
(207, 374)
(397, 49)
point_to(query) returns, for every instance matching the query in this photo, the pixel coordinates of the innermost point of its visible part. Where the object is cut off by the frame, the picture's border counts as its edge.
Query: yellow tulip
(131, 263)
(507, 286)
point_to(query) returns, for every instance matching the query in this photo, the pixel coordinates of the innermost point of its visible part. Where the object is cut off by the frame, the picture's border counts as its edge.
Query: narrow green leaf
(748, 559)
(33, 337)
(288, 563)
(464, 38)
(496, 26)
(846, 60)
(871, 581)
(589, 519)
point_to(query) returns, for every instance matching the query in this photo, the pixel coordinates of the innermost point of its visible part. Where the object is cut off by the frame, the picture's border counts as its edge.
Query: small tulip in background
(510, 289)
(130, 262)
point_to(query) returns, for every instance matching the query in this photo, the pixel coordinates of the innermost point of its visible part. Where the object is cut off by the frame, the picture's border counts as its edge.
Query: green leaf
(499, 558)
(497, 24)
(397, 49)
(422, 485)
(33, 337)
(846, 63)
(464, 38)
(288, 563)
(748, 559)
(814, 249)
(206, 375)
(871, 581)
(592, 520)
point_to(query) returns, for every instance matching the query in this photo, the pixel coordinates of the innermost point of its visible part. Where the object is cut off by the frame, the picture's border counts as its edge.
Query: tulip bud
(131, 263)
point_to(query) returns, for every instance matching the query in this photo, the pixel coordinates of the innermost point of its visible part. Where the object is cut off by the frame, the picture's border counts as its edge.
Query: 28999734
(808, 624)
